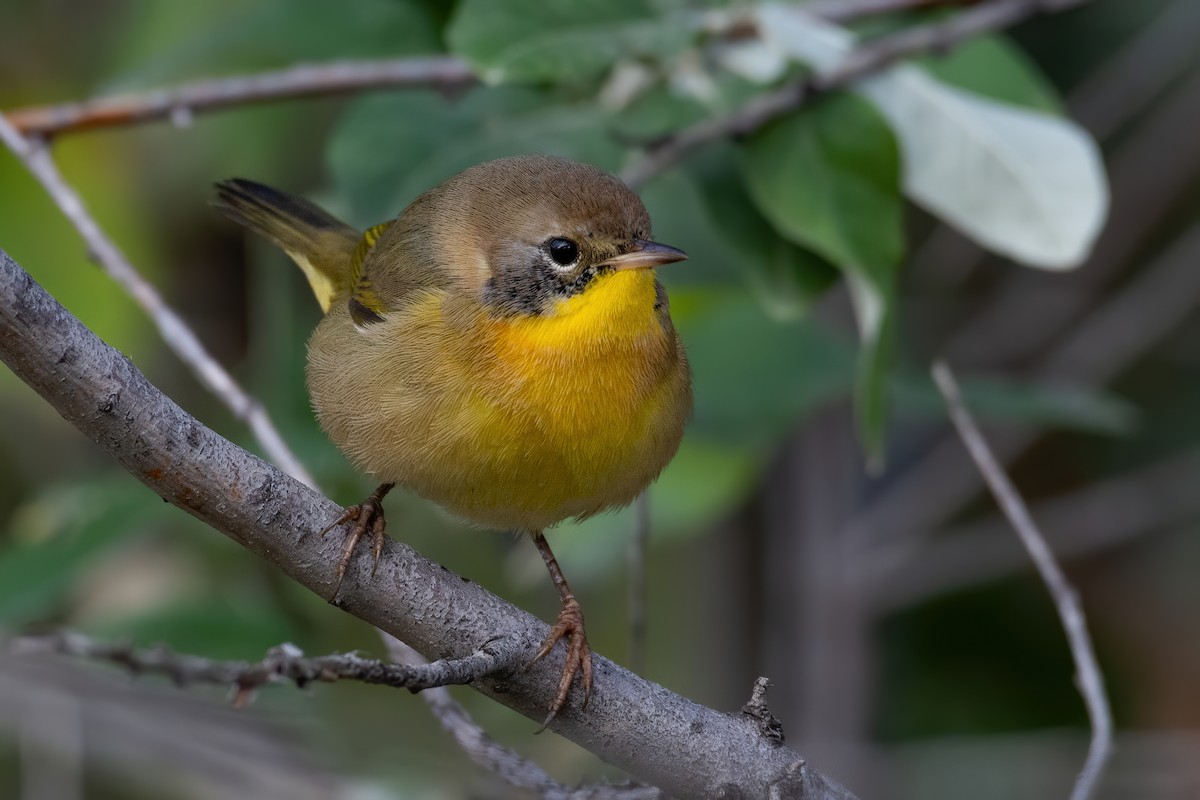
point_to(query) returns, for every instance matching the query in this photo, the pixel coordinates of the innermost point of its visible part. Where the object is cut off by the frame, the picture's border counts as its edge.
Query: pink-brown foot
(579, 657)
(368, 517)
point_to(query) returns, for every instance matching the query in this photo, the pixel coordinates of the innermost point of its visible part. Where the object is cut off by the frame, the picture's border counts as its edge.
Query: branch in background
(182, 102)
(1091, 682)
(1091, 520)
(686, 749)
(485, 751)
(1157, 300)
(849, 10)
(867, 59)
(449, 73)
(1125, 85)
(174, 331)
(1104, 343)
(283, 663)
(67, 720)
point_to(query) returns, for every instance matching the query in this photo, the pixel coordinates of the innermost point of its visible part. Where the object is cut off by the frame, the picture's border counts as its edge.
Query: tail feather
(320, 244)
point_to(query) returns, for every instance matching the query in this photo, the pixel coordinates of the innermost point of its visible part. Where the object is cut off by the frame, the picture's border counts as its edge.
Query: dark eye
(563, 251)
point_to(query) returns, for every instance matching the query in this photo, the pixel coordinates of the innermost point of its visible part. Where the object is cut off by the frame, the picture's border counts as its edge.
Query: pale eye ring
(563, 252)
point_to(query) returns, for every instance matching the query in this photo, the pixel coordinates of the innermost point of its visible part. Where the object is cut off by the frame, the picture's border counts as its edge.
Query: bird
(502, 348)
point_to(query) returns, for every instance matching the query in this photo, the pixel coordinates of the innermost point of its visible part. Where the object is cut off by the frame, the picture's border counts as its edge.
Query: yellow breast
(513, 422)
(600, 392)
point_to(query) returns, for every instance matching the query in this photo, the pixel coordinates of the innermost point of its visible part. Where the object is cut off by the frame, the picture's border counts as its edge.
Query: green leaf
(995, 67)
(656, 112)
(269, 33)
(755, 377)
(829, 179)
(677, 210)
(785, 277)
(1023, 183)
(560, 40)
(381, 160)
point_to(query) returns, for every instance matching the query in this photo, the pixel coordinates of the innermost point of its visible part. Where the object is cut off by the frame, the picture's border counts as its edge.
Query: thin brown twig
(285, 662)
(174, 331)
(867, 59)
(511, 767)
(1066, 601)
(850, 10)
(302, 80)
(447, 73)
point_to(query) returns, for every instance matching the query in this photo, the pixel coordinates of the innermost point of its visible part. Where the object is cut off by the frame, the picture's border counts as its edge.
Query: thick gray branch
(661, 738)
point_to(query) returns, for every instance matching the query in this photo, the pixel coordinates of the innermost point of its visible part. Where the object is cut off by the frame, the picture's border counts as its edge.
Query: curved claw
(366, 516)
(579, 657)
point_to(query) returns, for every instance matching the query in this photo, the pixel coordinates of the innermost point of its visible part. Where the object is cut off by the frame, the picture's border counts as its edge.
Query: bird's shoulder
(393, 265)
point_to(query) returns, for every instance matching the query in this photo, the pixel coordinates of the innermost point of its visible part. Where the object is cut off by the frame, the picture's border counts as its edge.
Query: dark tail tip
(245, 201)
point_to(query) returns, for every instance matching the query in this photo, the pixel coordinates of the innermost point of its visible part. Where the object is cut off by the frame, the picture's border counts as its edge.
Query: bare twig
(1134, 77)
(511, 767)
(850, 10)
(155, 741)
(657, 736)
(174, 331)
(282, 663)
(447, 73)
(868, 59)
(1091, 682)
(1154, 302)
(303, 80)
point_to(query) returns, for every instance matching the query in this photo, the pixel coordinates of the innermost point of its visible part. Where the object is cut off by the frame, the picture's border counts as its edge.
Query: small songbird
(501, 348)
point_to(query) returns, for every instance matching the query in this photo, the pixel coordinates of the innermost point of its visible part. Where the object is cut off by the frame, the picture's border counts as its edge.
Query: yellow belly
(512, 422)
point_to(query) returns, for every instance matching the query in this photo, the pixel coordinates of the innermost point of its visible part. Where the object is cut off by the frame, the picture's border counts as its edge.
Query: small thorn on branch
(756, 708)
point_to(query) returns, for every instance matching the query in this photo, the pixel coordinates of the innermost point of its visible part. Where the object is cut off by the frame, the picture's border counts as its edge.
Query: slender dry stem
(174, 331)
(1091, 681)
(511, 767)
(868, 59)
(285, 662)
(180, 103)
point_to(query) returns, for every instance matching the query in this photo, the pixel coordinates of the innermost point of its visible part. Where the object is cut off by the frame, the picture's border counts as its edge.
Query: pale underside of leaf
(1025, 184)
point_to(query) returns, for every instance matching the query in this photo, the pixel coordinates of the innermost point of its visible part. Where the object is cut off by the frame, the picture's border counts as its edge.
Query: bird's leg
(367, 515)
(570, 625)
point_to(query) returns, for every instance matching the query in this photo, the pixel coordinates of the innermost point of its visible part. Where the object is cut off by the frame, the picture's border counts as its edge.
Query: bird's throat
(616, 308)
